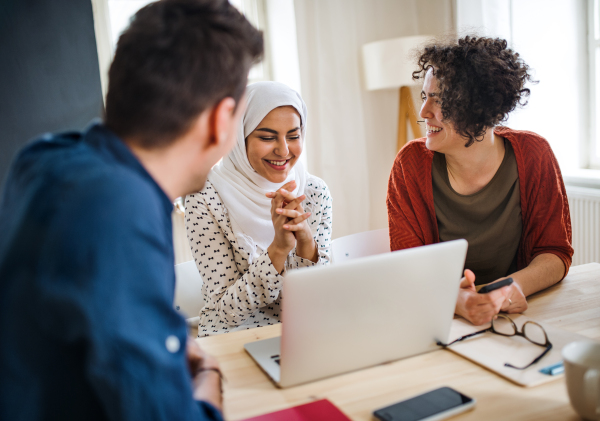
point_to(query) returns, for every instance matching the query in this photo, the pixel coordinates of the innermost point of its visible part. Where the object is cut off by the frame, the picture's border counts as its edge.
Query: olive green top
(490, 220)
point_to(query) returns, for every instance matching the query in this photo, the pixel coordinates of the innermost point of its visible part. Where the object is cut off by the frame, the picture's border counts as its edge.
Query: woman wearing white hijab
(259, 214)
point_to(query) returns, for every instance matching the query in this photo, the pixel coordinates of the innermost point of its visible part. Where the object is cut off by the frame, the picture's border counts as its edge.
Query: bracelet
(216, 370)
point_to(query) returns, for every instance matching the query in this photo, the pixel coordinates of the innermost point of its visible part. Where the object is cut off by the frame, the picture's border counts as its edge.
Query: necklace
(451, 175)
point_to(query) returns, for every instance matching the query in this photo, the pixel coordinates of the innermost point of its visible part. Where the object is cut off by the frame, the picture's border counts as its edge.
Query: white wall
(381, 21)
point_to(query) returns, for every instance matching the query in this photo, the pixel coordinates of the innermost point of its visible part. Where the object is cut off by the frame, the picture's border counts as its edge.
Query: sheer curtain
(352, 132)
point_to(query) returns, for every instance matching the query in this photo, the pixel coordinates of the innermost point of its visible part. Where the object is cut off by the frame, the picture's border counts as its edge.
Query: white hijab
(241, 188)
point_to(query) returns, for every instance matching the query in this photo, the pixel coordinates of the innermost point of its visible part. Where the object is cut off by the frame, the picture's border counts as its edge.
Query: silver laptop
(364, 312)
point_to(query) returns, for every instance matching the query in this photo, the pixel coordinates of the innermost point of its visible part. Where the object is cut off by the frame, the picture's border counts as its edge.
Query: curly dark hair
(480, 81)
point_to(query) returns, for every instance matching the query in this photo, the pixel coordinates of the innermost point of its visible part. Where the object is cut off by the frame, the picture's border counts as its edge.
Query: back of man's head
(177, 59)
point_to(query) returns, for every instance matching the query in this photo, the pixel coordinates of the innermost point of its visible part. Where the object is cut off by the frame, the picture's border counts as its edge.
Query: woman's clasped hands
(291, 227)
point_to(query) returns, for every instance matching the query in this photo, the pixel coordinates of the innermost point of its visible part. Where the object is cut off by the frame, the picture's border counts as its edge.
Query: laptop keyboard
(275, 358)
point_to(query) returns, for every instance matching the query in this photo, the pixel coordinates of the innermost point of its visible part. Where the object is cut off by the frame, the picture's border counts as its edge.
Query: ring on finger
(510, 301)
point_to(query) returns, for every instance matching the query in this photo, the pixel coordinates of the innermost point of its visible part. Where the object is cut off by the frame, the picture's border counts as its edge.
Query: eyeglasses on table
(505, 326)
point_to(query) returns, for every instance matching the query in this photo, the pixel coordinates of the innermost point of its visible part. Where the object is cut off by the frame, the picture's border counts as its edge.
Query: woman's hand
(478, 308)
(297, 223)
(290, 208)
(284, 240)
(515, 302)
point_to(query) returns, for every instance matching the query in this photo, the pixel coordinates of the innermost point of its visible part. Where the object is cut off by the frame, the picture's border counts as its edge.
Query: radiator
(585, 221)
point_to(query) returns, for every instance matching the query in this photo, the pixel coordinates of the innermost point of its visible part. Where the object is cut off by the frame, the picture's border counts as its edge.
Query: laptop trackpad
(266, 354)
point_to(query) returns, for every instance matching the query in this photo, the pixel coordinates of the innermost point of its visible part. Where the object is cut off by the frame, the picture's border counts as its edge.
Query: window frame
(101, 15)
(254, 10)
(593, 145)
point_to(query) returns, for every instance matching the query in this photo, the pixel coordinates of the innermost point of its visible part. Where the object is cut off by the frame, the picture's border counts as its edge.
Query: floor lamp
(387, 64)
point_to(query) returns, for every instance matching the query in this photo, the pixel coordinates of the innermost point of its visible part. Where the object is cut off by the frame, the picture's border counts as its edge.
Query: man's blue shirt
(87, 326)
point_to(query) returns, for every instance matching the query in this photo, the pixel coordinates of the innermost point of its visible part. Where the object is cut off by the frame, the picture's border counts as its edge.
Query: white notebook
(491, 350)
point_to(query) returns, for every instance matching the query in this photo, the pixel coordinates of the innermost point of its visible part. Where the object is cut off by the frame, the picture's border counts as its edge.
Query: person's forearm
(207, 387)
(278, 257)
(308, 250)
(544, 271)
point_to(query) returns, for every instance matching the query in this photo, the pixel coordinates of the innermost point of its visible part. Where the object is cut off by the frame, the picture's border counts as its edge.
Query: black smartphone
(492, 287)
(436, 405)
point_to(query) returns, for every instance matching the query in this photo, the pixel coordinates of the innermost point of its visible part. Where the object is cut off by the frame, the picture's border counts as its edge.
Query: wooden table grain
(573, 304)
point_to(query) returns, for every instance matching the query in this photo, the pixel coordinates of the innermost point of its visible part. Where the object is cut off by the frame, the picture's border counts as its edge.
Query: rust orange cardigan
(544, 205)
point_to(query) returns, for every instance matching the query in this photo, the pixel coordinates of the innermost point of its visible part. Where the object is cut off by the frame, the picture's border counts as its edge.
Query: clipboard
(491, 350)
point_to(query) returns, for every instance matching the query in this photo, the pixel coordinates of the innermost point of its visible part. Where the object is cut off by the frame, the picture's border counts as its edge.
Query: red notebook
(321, 410)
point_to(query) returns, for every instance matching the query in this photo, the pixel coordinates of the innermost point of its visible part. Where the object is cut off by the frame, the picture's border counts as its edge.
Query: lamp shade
(387, 63)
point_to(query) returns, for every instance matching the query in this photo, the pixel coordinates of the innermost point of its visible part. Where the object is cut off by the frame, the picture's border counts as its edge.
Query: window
(552, 38)
(111, 18)
(254, 10)
(120, 13)
(594, 87)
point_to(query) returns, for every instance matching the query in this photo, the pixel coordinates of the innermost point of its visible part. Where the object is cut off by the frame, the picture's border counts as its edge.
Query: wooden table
(573, 304)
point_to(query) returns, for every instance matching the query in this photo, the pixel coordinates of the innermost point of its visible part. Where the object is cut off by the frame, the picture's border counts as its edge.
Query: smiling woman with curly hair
(501, 189)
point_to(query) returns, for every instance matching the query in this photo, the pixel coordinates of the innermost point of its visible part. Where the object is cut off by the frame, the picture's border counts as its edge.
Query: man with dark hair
(86, 255)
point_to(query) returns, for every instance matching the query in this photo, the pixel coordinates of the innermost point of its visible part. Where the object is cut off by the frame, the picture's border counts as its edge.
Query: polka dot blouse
(243, 290)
